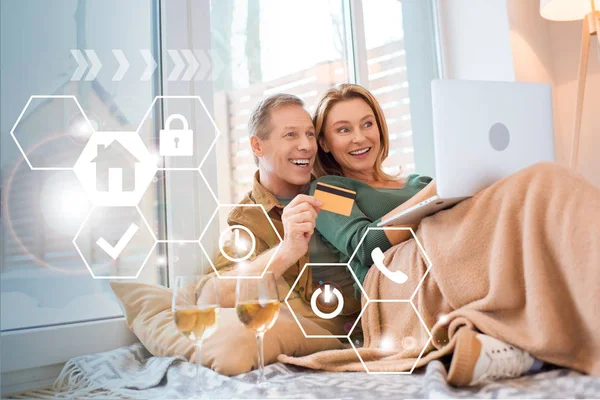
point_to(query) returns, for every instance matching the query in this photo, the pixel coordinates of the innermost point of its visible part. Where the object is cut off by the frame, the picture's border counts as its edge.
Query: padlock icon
(176, 142)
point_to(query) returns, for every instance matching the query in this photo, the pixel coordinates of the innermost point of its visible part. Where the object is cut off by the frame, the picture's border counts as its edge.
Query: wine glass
(257, 307)
(195, 318)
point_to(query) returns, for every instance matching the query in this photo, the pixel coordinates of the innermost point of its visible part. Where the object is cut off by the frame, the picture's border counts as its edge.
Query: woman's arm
(345, 232)
(399, 236)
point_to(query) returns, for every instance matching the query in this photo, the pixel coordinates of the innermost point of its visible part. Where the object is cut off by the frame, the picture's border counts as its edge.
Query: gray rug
(131, 372)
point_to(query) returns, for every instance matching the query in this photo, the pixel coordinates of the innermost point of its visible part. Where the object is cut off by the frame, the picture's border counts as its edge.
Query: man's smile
(300, 162)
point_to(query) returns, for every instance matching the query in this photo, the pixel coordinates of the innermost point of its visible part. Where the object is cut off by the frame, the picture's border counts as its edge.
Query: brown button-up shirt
(254, 219)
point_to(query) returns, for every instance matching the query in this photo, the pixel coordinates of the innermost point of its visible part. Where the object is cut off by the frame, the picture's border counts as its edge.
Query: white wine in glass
(257, 307)
(197, 323)
(195, 318)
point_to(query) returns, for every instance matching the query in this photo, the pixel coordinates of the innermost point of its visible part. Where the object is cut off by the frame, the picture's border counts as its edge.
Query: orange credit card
(335, 199)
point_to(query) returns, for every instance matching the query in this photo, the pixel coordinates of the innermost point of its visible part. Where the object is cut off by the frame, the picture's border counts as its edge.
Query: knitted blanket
(519, 261)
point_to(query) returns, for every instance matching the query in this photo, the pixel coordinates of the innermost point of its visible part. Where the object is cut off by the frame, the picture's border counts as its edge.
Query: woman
(353, 139)
(350, 155)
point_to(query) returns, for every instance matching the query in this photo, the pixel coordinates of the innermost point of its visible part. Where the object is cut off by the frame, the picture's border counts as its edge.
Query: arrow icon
(204, 65)
(82, 65)
(179, 65)
(96, 65)
(217, 64)
(189, 56)
(150, 65)
(123, 65)
(196, 63)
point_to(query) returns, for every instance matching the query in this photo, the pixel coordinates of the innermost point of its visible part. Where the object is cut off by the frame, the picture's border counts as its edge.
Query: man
(282, 138)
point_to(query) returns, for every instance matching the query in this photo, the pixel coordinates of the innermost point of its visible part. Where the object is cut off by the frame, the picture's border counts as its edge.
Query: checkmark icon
(118, 248)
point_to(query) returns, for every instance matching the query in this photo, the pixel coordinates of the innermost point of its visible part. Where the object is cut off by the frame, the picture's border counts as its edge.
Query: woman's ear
(323, 144)
(256, 146)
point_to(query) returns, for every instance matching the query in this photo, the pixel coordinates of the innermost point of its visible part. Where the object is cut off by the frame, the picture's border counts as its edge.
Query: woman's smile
(360, 153)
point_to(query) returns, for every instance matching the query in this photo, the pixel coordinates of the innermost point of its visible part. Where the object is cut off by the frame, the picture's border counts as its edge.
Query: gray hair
(258, 124)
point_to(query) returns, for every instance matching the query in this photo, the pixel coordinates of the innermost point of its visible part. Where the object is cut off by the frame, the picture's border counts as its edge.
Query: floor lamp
(589, 12)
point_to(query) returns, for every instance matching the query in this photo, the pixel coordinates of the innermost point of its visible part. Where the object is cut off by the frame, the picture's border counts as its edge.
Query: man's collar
(262, 195)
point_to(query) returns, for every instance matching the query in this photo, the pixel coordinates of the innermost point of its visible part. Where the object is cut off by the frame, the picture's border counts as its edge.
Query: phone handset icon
(394, 276)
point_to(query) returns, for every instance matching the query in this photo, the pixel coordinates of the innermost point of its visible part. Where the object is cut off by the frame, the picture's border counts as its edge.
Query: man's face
(288, 154)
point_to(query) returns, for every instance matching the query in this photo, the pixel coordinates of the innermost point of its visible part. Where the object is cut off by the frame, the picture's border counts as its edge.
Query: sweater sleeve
(346, 232)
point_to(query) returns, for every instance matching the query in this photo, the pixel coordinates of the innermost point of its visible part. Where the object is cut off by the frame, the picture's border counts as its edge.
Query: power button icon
(322, 298)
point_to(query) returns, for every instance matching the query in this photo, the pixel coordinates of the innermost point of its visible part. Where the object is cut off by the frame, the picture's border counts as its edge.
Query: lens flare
(9, 219)
(80, 130)
(387, 343)
(63, 202)
(442, 319)
(409, 343)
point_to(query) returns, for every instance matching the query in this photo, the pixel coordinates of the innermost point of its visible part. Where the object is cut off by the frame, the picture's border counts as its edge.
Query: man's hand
(299, 220)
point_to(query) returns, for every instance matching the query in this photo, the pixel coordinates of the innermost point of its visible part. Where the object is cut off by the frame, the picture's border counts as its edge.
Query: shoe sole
(466, 353)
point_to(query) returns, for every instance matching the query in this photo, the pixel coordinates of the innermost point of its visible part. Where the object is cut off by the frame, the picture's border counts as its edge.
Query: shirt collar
(262, 195)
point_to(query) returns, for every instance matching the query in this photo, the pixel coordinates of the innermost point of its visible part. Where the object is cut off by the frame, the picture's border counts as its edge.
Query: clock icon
(234, 244)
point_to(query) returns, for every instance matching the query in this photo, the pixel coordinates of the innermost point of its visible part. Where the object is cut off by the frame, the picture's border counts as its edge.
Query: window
(44, 280)
(388, 79)
(401, 47)
(268, 54)
(264, 46)
(328, 42)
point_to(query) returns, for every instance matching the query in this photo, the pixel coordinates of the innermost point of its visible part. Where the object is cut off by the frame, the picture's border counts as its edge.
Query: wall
(565, 38)
(548, 51)
(509, 40)
(475, 43)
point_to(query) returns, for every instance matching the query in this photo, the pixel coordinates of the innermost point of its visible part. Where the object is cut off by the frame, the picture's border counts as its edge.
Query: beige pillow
(147, 309)
(232, 349)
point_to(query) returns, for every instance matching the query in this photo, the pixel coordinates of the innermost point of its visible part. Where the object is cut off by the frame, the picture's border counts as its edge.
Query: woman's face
(352, 136)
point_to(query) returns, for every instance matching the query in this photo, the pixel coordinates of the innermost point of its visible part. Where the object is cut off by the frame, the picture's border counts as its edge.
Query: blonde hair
(325, 164)
(258, 123)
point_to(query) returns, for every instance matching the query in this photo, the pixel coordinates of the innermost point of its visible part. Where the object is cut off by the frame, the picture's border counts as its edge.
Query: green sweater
(343, 234)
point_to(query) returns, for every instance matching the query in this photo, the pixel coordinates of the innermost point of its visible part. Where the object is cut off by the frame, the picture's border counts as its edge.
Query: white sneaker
(478, 357)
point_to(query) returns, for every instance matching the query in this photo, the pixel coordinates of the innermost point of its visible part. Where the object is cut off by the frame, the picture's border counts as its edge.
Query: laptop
(483, 132)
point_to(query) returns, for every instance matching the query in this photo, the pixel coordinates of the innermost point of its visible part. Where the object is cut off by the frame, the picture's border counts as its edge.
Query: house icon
(115, 168)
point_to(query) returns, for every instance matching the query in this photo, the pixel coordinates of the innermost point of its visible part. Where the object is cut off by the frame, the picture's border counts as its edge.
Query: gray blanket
(131, 372)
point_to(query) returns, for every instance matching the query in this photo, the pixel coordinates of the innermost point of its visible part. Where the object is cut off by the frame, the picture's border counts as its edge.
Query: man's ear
(323, 144)
(256, 146)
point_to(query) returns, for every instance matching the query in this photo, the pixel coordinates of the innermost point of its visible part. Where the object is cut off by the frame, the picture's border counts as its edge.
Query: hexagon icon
(51, 131)
(187, 214)
(403, 333)
(179, 258)
(225, 243)
(402, 283)
(115, 168)
(114, 242)
(327, 300)
(186, 136)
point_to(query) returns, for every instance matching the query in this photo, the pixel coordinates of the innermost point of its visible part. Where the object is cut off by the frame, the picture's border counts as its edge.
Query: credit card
(335, 199)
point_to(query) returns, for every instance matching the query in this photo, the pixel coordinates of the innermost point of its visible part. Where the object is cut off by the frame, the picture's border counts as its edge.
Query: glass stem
(262, 380)
(198, 386)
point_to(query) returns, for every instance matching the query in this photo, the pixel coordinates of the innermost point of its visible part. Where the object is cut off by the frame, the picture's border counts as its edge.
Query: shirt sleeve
(346, 232)
(223, 264)
(418, 182)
